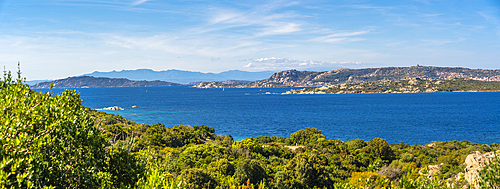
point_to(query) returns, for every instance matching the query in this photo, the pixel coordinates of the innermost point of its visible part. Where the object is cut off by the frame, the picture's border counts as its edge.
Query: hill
(293, 78)
(93, 82)
(181, 76)
(415, 85)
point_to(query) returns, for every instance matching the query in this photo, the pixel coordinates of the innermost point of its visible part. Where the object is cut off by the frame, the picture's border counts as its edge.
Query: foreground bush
(48, 140)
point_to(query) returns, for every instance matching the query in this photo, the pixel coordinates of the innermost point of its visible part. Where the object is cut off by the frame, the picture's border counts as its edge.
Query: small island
(415, 85)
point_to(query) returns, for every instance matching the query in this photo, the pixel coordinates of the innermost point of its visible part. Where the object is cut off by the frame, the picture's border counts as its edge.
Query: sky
(54, 39)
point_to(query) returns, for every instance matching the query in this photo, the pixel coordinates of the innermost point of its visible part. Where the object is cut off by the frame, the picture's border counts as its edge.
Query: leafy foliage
(197, 179)
(306, 135)
(490, 174)
(309, 170)
(250, 170)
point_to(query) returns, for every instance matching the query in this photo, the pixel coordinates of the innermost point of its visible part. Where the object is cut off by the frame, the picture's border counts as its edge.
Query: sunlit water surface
(409, 118)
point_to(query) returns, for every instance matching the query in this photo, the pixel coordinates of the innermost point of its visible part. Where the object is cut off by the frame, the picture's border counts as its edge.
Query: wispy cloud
(428, 2)
(435, 42)
(488, 16)
(281, 28)
(138, 2)
(341, 37)
(208, 45)
(431, 15)
(261, 20)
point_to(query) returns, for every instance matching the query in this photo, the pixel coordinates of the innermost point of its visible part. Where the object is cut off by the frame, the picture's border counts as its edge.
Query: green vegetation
(53, 141)
(415, 85)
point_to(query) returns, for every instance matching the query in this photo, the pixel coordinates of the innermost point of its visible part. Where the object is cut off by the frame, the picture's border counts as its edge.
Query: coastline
(320, 92)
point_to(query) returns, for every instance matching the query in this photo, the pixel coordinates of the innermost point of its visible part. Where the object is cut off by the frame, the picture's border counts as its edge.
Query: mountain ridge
(96, 82)
(182, 76)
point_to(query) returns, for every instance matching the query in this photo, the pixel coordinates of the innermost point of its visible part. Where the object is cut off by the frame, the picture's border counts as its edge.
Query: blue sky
(59, 38)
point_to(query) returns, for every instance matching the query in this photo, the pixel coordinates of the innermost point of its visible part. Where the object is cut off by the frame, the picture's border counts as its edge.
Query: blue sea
(410, 118)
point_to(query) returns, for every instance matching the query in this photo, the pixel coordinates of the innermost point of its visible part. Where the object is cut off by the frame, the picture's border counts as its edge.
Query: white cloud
(225, 16)
(281, 29)
(348, 34)
(442, 42)
(259, 21)
(274, 63)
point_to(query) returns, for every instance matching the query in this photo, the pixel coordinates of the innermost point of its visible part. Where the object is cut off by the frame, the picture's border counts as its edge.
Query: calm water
(409, 118)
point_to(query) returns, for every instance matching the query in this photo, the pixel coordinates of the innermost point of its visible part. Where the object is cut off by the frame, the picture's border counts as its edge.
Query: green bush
(197, 179)
(247, 169)
(304, 136)
(221, 167)
(48, 140)
(308, 169)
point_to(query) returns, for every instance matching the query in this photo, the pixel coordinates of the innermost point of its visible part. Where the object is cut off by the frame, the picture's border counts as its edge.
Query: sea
(418, 118)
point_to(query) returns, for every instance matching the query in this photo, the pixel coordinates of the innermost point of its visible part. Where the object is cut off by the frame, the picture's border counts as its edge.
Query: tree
(379, 149)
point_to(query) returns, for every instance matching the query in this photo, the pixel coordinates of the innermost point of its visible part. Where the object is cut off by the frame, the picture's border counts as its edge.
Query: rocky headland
(415, 85)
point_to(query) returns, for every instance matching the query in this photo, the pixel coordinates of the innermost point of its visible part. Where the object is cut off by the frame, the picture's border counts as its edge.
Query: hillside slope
(93, 82)
(415, 85)
(181, 76)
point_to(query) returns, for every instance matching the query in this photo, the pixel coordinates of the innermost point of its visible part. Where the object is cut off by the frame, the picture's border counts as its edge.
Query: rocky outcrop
(414, 81)
(433, 169)
(475, 162)
(112, 108)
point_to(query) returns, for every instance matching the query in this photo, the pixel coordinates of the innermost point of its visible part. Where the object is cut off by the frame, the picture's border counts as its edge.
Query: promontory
(295, 78)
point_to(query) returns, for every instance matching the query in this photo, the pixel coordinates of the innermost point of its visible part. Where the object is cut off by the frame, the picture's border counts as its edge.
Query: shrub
(48, 140)
(221, 167)
(304, 136)
(250, 170)
(197, 179)
(308, 169)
